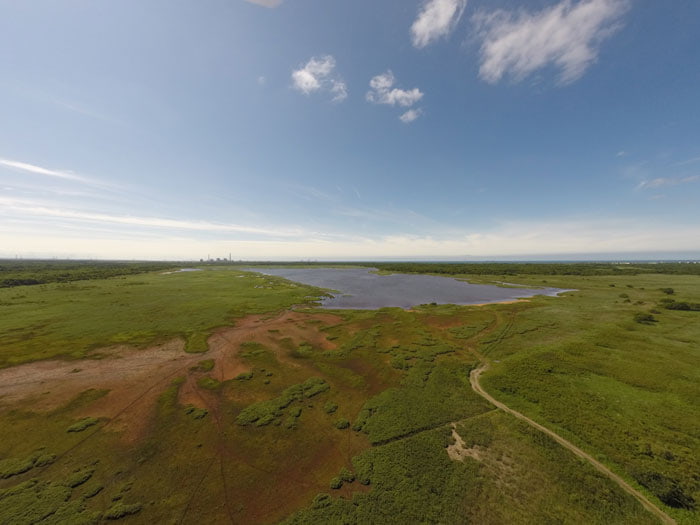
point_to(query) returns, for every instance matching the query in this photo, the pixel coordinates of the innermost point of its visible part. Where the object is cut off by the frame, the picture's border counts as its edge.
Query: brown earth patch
(135, 377)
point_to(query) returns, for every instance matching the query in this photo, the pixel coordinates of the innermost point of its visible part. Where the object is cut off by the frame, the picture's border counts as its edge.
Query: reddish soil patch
(136, 377)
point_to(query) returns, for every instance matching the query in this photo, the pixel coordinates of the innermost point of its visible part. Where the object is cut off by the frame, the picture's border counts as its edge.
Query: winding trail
(648, 505)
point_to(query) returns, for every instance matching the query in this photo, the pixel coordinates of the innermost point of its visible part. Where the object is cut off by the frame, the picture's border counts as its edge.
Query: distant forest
(508, 268)
(30, 272)
(27, 272)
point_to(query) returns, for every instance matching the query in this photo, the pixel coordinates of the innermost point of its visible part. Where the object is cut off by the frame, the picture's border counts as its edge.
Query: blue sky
(349, 129)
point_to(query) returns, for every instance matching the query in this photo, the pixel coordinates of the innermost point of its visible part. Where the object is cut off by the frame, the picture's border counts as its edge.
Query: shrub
(668, 291)
(84, 423)
(330, 407)
(336, 483)
(208, 383)
(346, 475)
(321, 501)
(120, 510)
(79, 477)
(342, 424)
(244, 376)
(644, 318)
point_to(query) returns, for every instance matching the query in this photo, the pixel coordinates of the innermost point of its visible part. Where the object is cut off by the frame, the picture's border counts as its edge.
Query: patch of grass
(204, 366)
(208, 383)
(187, 305)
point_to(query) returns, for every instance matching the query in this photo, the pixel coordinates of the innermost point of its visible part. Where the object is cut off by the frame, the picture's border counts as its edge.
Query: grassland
(348, 416)
(70, 319)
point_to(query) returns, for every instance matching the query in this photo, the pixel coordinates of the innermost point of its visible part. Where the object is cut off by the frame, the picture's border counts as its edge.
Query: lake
(359, 288)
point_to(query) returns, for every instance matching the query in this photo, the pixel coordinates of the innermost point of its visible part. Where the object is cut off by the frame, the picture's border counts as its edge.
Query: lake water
(358, 288)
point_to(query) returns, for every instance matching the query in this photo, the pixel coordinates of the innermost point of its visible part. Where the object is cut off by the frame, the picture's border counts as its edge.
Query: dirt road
(474, 380)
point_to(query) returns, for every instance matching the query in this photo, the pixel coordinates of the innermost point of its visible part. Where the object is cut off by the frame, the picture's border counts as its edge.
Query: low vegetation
(360, 408)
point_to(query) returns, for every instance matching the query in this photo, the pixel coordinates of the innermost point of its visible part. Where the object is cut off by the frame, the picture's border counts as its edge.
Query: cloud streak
(318, 75)
(509, 239)
(38, 170)
(666, 181)
(266, 3)
(436, 19)
(19, 208)
(566, 36)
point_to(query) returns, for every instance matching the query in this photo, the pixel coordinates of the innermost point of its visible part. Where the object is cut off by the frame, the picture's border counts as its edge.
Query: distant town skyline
(287, 130)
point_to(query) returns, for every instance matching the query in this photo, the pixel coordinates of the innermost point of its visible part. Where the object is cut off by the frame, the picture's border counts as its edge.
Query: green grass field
(347, 418)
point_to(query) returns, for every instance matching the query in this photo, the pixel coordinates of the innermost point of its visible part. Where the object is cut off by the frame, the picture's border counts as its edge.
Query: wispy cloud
(22, 208)
(508, 239)
(383, 92)
(436, 19)
(266, 3)
(38, 170)
(318, 75)
(688, 161)
(567, 35)
(666, 181)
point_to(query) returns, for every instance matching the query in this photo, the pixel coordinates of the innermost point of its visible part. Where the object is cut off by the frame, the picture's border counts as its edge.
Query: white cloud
(666, 181)
(437, 18)
(410, 115)
(567, 35)
(317, 75)
(382, 92)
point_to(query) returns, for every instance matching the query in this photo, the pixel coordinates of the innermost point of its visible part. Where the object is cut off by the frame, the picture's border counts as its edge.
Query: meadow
(239, 408)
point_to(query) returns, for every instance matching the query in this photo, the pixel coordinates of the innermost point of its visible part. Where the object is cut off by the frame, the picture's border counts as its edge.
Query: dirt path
(474, 380)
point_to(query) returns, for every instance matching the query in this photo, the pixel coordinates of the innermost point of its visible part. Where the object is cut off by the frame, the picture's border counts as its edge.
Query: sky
(356, 129)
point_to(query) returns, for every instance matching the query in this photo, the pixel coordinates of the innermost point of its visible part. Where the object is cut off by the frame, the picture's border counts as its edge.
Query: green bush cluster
(12, 466)
(121, 510)
(644, 318)
(671, 304)
(266, 412)
(83, 424)
(196, 413)
(431, 395)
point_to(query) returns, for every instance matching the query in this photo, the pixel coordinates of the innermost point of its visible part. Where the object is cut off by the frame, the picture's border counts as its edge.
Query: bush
(244, 376)
(668, 291)
(644, 318)
(209, 383)
(266, 412)
(336, 483)
(120, 510)
(342, 424)
(84, 423)
(346, 475)
(330, 407)
(321, 501)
